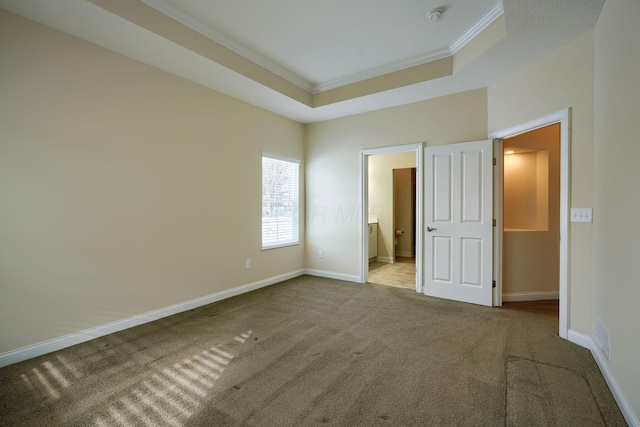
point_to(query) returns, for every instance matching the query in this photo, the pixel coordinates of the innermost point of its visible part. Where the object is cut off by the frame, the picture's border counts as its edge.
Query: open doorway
(392, 215)
(562, 118)
(392, 220)
(531, 215)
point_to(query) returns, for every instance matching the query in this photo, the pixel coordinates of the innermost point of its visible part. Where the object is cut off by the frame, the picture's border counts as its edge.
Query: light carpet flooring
(319, 352)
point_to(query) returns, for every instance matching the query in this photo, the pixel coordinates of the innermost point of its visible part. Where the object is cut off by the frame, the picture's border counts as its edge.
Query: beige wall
(333, 166)
(616, 231)
(381, 193)
(561, 79)
(124, 189)
(404, 209)
(520, 184)
(531, 259)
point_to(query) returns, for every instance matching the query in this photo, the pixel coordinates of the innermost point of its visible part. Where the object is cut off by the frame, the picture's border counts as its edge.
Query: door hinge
(494, 223)
(495, 161)
(494, 284)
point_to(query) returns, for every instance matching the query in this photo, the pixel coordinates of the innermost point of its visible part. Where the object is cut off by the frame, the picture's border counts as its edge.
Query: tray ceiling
(311, 60)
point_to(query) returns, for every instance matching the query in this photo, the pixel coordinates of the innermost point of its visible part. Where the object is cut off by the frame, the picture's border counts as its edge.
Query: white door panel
(442, 259)
(442, 202)
(459, 213)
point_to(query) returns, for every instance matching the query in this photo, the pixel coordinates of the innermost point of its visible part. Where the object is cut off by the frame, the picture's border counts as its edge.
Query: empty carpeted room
(184, 213)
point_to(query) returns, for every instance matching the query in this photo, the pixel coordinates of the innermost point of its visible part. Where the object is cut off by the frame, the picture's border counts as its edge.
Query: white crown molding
(480, 25)
(383, 69)
(204, 29)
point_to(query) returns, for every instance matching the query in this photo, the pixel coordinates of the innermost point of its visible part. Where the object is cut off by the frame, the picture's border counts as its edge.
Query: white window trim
(283, 158)
(280, 245)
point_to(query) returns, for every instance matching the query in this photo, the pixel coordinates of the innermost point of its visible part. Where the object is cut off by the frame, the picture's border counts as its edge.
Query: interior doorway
(562, 118)
(392, 220)
(531, 215)
(380, 234)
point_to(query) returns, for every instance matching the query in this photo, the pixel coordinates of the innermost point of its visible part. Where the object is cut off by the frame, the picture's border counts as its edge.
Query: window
(280, 190)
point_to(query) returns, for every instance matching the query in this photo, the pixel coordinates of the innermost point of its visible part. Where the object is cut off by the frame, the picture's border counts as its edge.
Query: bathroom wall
(381, 190)
(404, 210)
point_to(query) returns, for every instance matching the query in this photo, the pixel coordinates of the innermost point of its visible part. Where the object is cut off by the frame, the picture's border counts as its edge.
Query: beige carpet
(401, 274)
(312, 351)
(538, 391)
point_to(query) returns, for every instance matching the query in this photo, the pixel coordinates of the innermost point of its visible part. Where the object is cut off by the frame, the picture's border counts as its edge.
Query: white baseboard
(579, 338)
(387, 259)
(55, 344)
(333, 275)
(406, 254)
(529, 296)
(625, 407)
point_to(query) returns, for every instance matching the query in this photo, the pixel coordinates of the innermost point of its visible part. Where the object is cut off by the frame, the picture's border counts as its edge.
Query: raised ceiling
(321, 42)
(317, 60)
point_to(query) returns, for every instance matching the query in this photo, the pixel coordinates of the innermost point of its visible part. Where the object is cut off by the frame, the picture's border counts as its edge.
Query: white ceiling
(315, 44)
(323, 41)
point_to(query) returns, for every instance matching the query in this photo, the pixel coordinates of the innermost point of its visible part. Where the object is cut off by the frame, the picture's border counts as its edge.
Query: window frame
(295, 225)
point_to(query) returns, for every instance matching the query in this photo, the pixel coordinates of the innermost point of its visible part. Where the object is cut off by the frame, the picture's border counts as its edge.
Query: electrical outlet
(320, 254)
(247, 264)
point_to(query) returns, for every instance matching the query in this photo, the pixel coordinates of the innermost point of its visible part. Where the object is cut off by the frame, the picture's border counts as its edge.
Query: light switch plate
(581, 215)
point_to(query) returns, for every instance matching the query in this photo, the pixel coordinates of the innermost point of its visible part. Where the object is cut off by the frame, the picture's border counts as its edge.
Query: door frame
(563, 117)
(364, 203)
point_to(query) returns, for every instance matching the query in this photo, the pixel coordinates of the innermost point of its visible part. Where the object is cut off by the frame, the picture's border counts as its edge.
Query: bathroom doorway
(392, 194)
(391, 243)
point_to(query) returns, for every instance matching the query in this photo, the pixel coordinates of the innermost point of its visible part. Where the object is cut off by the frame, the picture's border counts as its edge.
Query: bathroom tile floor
(401, 274)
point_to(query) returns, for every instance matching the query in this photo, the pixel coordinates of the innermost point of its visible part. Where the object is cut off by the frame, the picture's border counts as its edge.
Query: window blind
(280, 201)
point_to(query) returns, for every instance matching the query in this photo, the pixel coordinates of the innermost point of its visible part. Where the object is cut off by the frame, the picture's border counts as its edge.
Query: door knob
(429, 229)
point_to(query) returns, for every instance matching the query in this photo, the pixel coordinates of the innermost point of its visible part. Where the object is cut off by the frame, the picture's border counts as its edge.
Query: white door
(459, 219)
